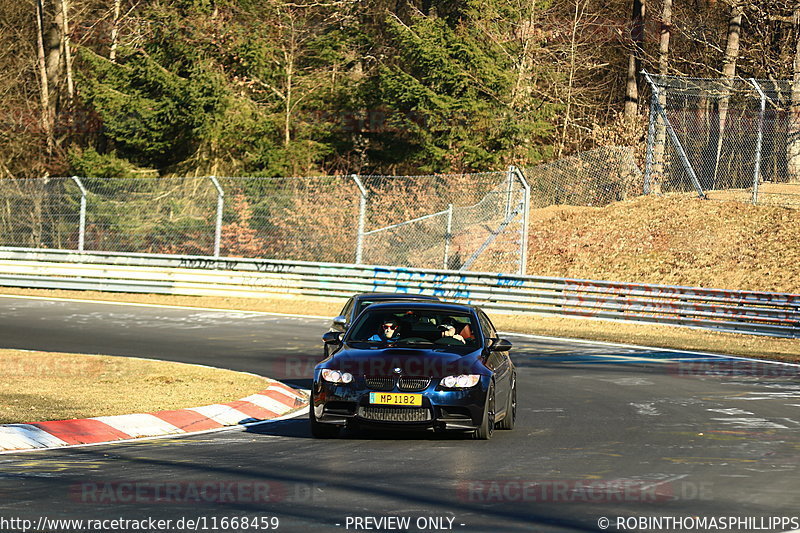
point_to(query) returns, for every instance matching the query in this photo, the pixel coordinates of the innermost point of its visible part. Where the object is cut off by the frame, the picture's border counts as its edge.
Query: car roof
(393, 296)
(430, 306)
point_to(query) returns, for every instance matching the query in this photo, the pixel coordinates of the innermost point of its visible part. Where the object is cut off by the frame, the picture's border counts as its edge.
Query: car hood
(436, 362)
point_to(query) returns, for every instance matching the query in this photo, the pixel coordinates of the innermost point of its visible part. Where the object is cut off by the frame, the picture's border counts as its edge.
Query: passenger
(389, 332)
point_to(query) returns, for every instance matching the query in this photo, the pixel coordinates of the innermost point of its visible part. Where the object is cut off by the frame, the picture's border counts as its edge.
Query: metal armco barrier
(758, 313)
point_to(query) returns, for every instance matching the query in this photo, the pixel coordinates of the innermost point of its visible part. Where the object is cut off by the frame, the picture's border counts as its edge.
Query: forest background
(126, 88)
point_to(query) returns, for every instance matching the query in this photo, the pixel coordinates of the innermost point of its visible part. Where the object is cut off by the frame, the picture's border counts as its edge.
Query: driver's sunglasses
(387, 326)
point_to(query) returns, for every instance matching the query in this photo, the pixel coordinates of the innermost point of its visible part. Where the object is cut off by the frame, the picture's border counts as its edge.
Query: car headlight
(335, 376)
(464, 381)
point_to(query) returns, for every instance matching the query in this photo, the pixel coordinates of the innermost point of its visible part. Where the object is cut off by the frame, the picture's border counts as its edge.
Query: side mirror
(340, 320)
(500, 345)
(332, 337)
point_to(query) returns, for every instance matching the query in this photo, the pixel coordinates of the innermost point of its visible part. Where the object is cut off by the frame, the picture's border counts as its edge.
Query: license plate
(393, 398)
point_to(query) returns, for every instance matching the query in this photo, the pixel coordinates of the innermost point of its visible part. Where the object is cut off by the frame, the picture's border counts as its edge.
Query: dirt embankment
(671, 240)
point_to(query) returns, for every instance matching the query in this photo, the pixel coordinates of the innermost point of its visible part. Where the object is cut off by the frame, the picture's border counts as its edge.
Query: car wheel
(511, 411)
(485, 430)
(320, 430)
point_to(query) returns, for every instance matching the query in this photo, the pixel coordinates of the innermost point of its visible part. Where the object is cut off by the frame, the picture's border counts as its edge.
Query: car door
(499, 362)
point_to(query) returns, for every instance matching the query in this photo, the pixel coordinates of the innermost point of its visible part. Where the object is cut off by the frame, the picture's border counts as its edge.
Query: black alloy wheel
(486, 429)
(320, 430)
(511, 410)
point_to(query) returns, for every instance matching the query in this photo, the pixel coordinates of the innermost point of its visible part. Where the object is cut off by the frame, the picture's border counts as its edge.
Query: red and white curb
(276, 401)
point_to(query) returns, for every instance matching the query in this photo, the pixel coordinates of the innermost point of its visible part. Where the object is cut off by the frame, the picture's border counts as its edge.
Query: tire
(486, 429)
(511, 410)
(320, 430)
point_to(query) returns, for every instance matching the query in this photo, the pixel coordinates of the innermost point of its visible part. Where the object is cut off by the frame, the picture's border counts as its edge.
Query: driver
(390, 331)
(449, 330)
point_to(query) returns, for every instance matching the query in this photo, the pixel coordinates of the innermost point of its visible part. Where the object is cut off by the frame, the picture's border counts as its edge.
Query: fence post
(759, 140)
(687, 165)
(448, 235)
(82, 223)
(510, 179)
(362, 215)
(526, 211)
(651, 139)
(220, 206)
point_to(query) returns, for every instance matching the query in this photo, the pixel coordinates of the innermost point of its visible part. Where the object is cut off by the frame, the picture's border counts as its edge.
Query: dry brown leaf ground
(672, 240)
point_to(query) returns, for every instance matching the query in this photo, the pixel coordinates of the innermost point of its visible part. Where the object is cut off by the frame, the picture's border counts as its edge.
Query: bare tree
(664, 37)
(580, 10)
(112, 54)
(53, 44)
(793, 145)
(663, 69)
(732, 46)
(65, 44)
(635, 59)
(44, 82)
(728, 72)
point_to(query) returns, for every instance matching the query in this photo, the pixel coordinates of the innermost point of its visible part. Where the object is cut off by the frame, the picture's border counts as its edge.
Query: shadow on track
(298, 428)
(314, 491)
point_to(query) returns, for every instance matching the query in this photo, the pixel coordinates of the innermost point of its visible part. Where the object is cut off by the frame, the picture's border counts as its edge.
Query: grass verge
(670, 240)
(41, 386)
(681, 338)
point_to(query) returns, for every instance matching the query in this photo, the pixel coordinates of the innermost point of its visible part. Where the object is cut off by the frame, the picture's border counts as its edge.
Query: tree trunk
(289, 55)
(732, 47)
(666, 33)
(287, 122)
(572, 71)
(112, 54)
(635, 59)
(525, 35)
(728, 72)
(793, 145)
(52, 48)
(657, 179)
(44, 86)
(67, 52)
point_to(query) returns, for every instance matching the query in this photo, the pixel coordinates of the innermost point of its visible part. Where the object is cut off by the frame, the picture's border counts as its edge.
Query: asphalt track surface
(602, 431)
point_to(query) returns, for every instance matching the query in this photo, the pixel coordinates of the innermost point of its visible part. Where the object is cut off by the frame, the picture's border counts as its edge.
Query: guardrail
(758, 313)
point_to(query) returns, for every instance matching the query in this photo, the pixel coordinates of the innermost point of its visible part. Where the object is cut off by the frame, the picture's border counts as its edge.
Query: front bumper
(348, 404)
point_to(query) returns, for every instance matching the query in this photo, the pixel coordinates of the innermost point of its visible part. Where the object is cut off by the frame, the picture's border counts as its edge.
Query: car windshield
(363, 304)
(415, 327)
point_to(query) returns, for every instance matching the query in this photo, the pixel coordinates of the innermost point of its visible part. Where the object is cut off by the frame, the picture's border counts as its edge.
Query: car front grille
(413, 384)
(379, 383)
(395, 414)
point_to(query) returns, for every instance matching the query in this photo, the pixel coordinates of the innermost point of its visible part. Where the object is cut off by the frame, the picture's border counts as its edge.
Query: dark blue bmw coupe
(416, 365)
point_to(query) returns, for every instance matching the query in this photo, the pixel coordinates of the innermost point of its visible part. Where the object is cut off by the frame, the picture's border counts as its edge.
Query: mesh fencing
(300, 219)
(727, 139)
(469, 222)
(458, 221)
(593, 178)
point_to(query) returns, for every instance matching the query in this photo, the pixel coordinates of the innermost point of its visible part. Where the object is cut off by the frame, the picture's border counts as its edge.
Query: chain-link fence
(458, 221)
(727, 139)
(593, 178)
(469, 222)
